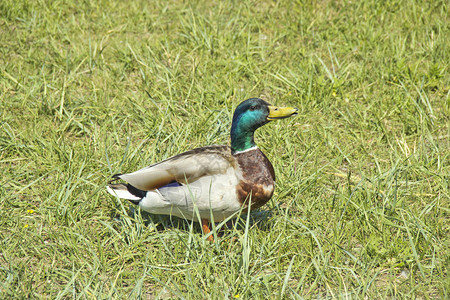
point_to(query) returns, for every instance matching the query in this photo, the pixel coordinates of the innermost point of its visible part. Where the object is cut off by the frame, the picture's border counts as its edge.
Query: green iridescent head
(249, 116)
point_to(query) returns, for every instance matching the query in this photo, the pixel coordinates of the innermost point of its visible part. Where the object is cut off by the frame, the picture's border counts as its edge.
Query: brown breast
(258, 178)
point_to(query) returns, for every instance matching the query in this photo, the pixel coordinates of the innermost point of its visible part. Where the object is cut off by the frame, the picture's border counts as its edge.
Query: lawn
(361, 208)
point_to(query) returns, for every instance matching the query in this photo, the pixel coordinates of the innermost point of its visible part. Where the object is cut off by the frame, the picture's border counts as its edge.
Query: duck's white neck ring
(246, 150)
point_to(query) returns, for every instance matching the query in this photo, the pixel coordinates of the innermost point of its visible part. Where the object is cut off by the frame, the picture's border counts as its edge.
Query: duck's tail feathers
(116, 176)
(126, 191)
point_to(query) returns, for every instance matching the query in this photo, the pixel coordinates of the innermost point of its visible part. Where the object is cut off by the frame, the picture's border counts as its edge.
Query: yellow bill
(276, 113)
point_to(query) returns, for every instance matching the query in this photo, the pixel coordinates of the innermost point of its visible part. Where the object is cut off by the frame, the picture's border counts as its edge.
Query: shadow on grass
(260, 219)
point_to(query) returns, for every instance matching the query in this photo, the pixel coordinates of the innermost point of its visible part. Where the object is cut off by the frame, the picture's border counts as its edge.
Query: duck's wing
(183, 168)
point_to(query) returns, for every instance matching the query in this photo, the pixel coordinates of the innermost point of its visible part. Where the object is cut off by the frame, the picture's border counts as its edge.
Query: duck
(212, 183)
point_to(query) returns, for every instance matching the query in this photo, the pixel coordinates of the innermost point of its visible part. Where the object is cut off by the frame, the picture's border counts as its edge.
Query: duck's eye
(253, 107)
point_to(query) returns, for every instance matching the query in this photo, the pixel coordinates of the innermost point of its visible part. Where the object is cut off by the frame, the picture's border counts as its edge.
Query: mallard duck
(213, 180)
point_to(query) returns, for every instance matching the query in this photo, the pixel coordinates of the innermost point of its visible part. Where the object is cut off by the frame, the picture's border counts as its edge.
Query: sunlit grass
(361, 207)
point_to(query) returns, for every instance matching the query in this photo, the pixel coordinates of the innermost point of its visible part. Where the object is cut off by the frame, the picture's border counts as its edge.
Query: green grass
(92, 88)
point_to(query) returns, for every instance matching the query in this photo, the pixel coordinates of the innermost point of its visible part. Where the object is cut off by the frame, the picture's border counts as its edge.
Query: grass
(92, 88)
